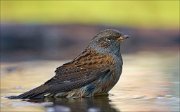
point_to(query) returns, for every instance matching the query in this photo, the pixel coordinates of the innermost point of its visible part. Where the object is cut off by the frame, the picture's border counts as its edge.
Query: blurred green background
(128, 13)
(61, 29)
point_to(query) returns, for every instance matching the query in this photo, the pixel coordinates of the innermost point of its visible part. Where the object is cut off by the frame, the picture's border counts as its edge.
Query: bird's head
(108, 41)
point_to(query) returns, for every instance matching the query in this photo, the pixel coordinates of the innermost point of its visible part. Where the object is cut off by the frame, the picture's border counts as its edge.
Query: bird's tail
(36, 93)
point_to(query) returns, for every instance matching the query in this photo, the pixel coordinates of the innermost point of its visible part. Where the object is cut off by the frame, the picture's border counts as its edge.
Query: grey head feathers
(106, 42)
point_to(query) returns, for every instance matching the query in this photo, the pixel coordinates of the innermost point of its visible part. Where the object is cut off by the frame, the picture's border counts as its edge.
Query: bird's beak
(122, 38)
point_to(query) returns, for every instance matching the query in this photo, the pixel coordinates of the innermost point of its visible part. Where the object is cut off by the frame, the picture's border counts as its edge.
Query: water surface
(149, 82)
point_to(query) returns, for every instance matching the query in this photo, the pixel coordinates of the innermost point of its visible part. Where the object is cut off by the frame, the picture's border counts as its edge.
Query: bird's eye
(108, 39)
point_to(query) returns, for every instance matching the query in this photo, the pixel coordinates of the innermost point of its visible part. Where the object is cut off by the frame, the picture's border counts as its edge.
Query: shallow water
(149, 82)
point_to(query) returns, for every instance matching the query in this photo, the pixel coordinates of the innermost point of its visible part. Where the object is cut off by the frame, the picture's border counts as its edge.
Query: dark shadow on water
(97, 104)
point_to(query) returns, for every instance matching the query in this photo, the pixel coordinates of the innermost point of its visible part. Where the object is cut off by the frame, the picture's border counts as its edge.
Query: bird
(92, 73)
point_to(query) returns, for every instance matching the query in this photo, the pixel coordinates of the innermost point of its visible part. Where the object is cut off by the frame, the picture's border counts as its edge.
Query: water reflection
(97, 104)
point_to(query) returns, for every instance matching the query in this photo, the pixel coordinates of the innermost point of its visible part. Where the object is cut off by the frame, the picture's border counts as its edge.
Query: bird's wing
(82, 70)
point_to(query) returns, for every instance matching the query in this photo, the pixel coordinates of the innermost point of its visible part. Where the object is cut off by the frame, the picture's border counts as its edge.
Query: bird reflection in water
(97, 104)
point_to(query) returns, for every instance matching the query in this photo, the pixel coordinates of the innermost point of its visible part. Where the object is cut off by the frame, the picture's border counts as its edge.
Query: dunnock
(94, 72)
